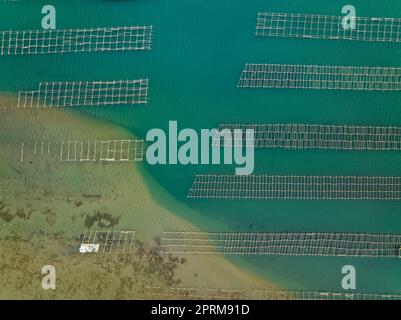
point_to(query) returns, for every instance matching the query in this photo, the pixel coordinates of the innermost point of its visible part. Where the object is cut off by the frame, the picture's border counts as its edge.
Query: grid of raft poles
(291, 187)
(282, 76)
(110, 241)
(287, 25)
(110, 150)
(327, 27)
(233, 294)
(85, 93)
(102, 150)
(27, 42)
(293, 244)
(313, 136)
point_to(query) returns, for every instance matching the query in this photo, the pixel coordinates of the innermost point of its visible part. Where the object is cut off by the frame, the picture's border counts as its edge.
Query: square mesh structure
(292, 244)
(327, 27)
(27, 42)
(85, 93)
(315, 136)
(110, 241)
(234, 294)
(102, 150)
(296, 187)
(281, 76)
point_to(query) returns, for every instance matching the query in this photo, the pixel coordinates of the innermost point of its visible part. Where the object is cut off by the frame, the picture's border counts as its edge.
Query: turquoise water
(199, 50)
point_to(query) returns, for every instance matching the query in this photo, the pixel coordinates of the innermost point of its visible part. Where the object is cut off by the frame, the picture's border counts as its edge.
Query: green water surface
(199, 50)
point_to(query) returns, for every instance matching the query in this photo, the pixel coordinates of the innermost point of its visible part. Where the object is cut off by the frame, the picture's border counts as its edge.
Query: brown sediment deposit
(92, 276)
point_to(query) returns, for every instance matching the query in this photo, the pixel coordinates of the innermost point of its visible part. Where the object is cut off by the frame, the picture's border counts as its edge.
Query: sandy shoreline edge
(126, 192)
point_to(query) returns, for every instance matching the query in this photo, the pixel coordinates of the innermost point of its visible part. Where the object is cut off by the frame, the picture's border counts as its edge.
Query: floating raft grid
(85, 93)
(233, 294)
(326, 27)
(219, 186)
(293, 244)
(306, 136)
(76, 40)
(82, 150)
(320, 77)
(103, 150)
(110, 241)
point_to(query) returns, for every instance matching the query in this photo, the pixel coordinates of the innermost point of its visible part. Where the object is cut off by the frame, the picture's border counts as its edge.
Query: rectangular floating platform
(292, 244)
(85, 93)
(102, 150)
(83, 150)
(284, 76)
(27, 42)
(234, 294)
(326, 27)
(314, 136)
(110, 241)
(219, 186)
